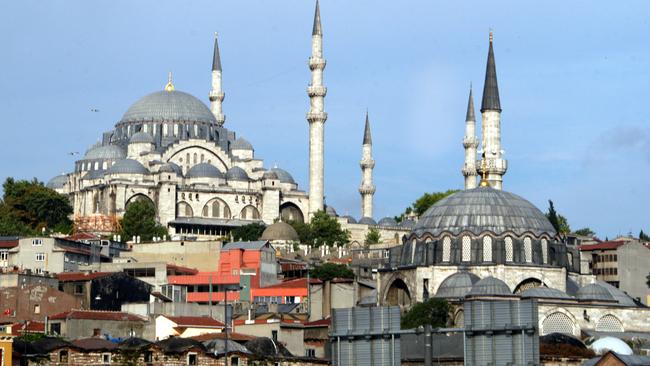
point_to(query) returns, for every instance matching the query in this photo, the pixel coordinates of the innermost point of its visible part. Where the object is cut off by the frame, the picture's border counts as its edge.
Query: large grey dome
(204, 170)
(168, 106)
(57, 182)
(367, 221)
(127, 166)
(483, 209)
(283, 175)
(237, 173)
(594, 292)
(241, 144)
(387, 221)
(141, 137)
(457, 285)
(490, 286)
(280, 231)
(105, 152)
(543, 292)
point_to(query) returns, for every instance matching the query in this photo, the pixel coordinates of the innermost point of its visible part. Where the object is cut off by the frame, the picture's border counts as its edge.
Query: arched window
(184, 209)
(528, 250)
(487, 248)
(466, 254)
(509, 249)
(195, 158)
(446, 249)
(609, 323)
(249, 213)
(544, 251)
(557, 323)
(216, 208)
(202, 157)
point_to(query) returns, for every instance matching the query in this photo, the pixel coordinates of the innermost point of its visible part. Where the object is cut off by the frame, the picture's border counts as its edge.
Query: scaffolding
(97, 223)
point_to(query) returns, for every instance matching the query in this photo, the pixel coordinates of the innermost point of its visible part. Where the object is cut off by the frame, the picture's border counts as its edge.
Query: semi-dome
(283, 175)
(367, 221)
(167, 106)
(490, 286)
(141, 137)
(594, 292)
(457, 285)
(387, 221)
(57, 182)
(407, 224)
(543, 292)
(105, 152)
(484, 209)
(351, 219)
(204, 170)
(280, 231)
(171, 167)
(241, 144)
(237, 173)
(127, 166)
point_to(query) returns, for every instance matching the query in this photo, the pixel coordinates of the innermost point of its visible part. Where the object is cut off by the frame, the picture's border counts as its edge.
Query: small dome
(594, 292)
(127, 166)
(543, 292)
(330, 211)
(283, 175)
(457, 285)
(94, 174)
(241, 144)
(171, 168)
(367, 221)
(618, 295)
(280, 231)
(141, 137)
(105, 152)
(165, 106)
(237, 173)
(351, 219)
(204, 170)
(269, 174)
(611, 344)
(387, 221)
(57, 182)
(407, 224)
(490, 286)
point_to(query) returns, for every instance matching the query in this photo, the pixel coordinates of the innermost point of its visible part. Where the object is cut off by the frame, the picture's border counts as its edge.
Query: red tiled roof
(237, 337)
(82, 236)
(195, 321)
(606, 245)
(81, 276)
(8, 244)
(182, 269)
(297, 283)
(97, 315)
(31, 327)
(319, 323)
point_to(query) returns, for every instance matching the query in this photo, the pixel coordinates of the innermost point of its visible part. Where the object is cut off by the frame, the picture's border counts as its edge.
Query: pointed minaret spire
(492, 166)
(367, 188)
(470, 143)
(491, 88)
(316, 117)
(317, 30)
(216, 94)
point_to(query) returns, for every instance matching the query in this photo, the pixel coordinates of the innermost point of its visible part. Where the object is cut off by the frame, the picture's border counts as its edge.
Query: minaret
(216, 94)
(492, 162)
(367, 189)
(316, 117)
(470, 143)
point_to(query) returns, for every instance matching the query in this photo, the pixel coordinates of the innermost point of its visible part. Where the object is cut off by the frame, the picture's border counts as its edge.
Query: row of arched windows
(217, 208)
(167, 129)
(559, 322)
(466, 249)
(94, 165)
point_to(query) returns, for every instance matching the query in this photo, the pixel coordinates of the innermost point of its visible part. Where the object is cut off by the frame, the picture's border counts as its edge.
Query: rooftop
(97, 315)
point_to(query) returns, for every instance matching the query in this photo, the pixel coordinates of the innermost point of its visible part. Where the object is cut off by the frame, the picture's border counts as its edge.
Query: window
(192, 359)
(40, 257)
(487, 249)
(310, 352)
(37, 309)
(63, 356)
(274, 335)
(106, 358)
(509, 249)
(55, 328)
(148, 357)
(141, 272)
(37, 242)
(544, 251)
(234, 361)
(467, 249)
(446, 249)
(528, 250)
(78, 289)
(4, 255)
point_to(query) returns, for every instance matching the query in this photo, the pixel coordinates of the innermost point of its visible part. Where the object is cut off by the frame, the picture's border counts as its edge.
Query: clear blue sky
(573, 77)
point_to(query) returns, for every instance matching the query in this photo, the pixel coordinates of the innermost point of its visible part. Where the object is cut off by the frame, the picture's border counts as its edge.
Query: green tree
(322, 230)
(330, 271)
(424, 202)
(643, 236)
(248, 232)
(585, 232)
(303, 230)
(559, 222)
(434, 312)
(28, 207)
(140, 220)
(373, 236)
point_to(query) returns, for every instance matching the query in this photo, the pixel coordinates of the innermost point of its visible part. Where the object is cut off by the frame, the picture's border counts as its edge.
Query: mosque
(203, 179)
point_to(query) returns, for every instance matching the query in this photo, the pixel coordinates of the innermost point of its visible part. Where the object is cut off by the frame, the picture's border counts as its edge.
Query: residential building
(13, 277)
(185, 326)
(34, 303)
(154, 273)
(104, 290)
(202, 255)
(75, 324)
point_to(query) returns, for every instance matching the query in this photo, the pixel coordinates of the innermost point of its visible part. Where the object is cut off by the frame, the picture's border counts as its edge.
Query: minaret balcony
(469, 170)
(316, 91)
(470, 142)
(216, 95)
(493, 165)
(317, 63)
(367, 189)
(367, 164)
(316, 117)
